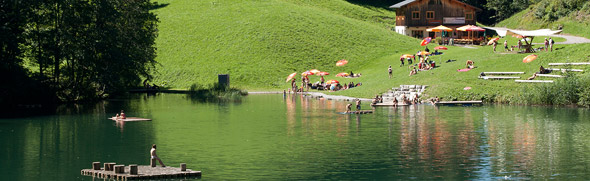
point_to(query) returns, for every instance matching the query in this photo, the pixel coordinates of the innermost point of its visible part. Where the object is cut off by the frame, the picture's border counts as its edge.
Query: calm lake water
(268, 137)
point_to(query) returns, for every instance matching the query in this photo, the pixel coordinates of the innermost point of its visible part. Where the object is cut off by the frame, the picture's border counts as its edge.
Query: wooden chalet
(413, 17)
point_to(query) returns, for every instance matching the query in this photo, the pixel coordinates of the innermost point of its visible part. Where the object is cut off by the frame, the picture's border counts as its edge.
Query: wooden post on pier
(111, 166)
(119, 168)
(183, 167)
(133, 169)
(95, 165)
(153, 162)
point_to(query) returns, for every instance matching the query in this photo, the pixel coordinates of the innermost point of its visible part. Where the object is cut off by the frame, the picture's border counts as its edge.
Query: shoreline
(317, 95)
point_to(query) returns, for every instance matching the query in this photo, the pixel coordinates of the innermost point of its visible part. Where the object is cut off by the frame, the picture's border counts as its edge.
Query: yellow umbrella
(440, 28)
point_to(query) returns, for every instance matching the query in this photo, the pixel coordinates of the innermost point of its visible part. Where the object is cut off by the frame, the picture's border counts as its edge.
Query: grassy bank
(260, 43)
(575, 24)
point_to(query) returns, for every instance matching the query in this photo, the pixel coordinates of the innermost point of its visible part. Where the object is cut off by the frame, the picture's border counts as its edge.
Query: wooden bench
(534, 81)
(501, 73)
(576, 63)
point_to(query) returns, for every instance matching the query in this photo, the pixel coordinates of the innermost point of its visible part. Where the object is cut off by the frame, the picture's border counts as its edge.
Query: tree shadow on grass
(158, 6)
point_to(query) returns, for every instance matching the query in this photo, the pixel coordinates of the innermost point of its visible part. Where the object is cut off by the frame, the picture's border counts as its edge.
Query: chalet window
(429, 14)
(469, 16)
(415, 14)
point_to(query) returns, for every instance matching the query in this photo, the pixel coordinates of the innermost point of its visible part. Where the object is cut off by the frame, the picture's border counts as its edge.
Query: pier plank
(143, 172)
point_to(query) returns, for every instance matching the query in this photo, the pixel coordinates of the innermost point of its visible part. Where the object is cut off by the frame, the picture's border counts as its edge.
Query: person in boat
(116, 116)
(348, 108)
(155, 156)
(358, 104)
(122, 115)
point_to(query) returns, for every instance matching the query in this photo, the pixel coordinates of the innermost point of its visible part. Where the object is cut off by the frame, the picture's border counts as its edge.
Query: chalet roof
(400, 4)
(406, 2)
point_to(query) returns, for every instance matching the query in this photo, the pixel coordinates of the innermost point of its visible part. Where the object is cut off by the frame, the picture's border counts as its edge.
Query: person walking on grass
(546, 44)
(401, 59)
(506, 45)
(155, 156)
(495, 44)
(551, 42)
(390, 71)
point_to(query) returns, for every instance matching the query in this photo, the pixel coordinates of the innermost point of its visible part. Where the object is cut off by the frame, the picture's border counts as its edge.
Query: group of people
(405, 100)
(358, 106)
(120, 116)
(548, 45)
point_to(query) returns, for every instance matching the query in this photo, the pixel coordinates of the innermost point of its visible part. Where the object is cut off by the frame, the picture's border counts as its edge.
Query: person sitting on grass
(469, 64)
(413, 71)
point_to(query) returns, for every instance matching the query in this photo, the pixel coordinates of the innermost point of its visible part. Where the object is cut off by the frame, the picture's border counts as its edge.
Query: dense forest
(73, 50)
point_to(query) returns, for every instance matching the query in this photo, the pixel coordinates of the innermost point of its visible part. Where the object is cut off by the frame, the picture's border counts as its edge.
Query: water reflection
(270, 137)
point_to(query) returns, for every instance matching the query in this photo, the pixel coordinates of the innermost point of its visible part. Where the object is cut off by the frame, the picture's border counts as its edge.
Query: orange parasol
(440, 48)
(343, 74)
(323, 73)
(332, 82)
(341, 62)
(291, 76)
(422, 53)
(529, 58)
(493, 40)
(407, 56)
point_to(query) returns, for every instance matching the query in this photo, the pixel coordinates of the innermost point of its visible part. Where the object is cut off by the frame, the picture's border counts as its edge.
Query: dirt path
(570, 39)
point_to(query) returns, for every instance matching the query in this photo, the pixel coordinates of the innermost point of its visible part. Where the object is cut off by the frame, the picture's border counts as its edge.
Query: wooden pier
(549, 75)
(458, 102)
(129, 119)
(359, 112)
(138, 172)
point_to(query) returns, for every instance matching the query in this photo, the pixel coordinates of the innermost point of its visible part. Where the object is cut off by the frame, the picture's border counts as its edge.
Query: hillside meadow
(259, 43)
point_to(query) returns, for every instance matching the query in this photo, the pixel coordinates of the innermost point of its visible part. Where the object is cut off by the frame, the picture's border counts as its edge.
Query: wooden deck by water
(130, 119)
(143, 172)
(458, 102)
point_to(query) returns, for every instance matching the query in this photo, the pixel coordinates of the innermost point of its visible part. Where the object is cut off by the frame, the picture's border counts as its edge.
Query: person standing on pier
(155, 156)
(358, 104)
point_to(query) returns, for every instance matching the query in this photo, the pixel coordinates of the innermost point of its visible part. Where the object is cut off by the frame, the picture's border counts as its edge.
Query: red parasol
(291, 76)
(425, 41)
(529, 58)
(341, 62)
(306, 73)
(315, 71)
(323, 73)
(440, 48)
(343, 74)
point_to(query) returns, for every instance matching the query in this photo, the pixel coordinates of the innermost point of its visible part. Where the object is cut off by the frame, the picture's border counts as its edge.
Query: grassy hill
(260, 42)
(575, 23)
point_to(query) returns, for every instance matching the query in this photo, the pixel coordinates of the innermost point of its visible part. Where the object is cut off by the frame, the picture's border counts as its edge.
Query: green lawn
(259, 43)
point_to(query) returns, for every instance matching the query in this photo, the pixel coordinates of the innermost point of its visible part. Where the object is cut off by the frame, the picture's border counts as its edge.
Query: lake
(271, 137)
